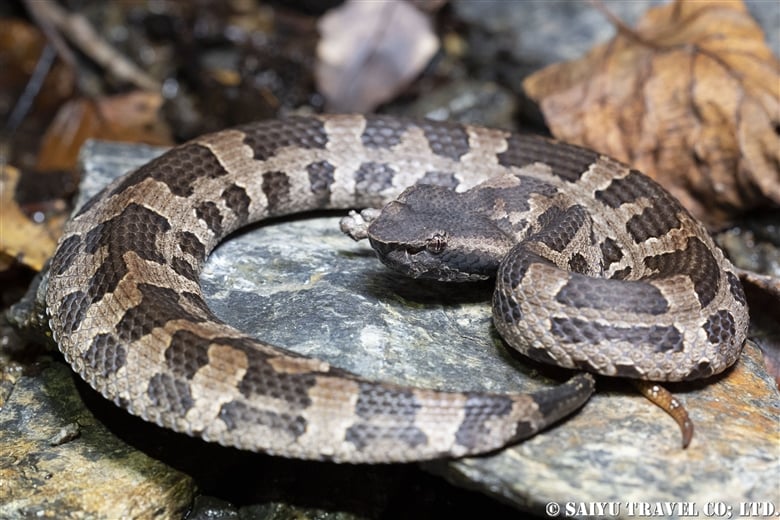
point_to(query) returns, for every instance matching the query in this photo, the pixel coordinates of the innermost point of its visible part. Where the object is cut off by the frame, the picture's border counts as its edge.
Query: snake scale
(127, 311)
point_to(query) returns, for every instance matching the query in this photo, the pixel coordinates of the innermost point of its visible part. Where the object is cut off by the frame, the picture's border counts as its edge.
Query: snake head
(425, 234)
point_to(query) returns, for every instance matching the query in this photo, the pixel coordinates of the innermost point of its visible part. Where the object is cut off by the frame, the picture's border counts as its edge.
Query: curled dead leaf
(691, 97)
(131, 117)
(369, 51)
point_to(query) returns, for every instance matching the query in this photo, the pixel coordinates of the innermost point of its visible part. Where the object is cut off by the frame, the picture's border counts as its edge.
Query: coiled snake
(128, 314)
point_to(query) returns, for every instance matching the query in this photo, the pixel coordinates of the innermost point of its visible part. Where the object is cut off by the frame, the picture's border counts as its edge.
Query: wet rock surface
(57, 458)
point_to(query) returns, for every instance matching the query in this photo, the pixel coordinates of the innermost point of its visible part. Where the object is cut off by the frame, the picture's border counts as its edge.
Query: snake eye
(436, 244)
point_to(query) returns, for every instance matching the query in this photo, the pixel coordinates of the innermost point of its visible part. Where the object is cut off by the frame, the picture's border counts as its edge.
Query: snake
(127, 311)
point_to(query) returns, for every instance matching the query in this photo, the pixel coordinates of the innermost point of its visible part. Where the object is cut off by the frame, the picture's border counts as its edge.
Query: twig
(38, 12)
(81, 33)
(31, 89)
(25, 101)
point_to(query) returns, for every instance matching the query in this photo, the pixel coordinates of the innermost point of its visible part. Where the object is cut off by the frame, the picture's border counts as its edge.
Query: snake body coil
(127, 310)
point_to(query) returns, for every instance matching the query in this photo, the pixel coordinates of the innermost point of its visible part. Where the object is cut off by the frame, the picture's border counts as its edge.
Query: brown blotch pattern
(105, 355)
(158, 306)
(187, 353)
(208, 212)
(567, 162)
(373, 177)
(190, 244)
(268, 137)
(735, 287)
(236, 414)
(631, 188)
(621, 274)
(178, 169)
(507, 307)
(238, 201)
(183, 268)
(276, 187)
(321, 176)
(362, 435)
(66, 254)
(720, 327)
(73, 309)
(478, 410)
(261, 379)
(610, 252)
(381, 132)
(576, 330)
(196, 300)
(376, 400)
(170, 394)
(136, 229)
(437, 178)
(446, 139)
(558, 227)
(578, 263)
(608, 294)
(653, 222)
(696, 262)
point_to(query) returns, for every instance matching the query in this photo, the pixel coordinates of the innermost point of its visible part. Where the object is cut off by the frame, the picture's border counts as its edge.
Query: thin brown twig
(38, 12)
(25, 101)
(31, 89)
(83, 35)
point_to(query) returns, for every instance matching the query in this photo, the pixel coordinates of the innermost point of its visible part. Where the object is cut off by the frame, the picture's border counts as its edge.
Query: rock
(57, 459)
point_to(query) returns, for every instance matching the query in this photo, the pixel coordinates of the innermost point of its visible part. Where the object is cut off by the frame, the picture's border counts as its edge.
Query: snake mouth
(418, 263)
(404, 262)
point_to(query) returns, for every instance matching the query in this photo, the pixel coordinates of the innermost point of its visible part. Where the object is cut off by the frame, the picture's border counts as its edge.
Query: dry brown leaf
(26, 241)
(691, 97)
(132, 117)
(369, 51)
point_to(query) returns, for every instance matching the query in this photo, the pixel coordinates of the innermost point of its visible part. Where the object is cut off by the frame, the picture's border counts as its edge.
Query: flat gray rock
(301, 284)
(58, 461)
